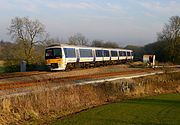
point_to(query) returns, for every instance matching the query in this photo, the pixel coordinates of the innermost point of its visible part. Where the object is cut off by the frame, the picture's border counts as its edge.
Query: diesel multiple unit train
(62, 57)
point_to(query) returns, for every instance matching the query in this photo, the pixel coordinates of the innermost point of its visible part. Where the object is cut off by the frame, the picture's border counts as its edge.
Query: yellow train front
(54, 57)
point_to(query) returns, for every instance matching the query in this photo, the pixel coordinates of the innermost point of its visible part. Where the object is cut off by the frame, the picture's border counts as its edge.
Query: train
(68, 57)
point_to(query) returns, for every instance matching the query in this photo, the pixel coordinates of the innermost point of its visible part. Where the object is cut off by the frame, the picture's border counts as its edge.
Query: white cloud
(23, 5)
(35, 5)
(30, 7)
(152, 6)
(81, 5)
(5, 5)
(113, 7)
(170, 7)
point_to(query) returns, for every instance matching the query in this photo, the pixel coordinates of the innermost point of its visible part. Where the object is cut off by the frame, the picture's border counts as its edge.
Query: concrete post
(23, 66)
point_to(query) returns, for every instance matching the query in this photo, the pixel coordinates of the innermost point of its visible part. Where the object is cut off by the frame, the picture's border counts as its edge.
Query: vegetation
(160, 110)
(171, 35)
(1, 66)
(168, 42)
(101, 43)
(138, 52)
(29, 36)
(166, 48)
(2, 69)
(78, 39)
(27, 33)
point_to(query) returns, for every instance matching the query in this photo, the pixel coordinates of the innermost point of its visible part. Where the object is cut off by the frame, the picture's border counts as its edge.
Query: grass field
(160, 110)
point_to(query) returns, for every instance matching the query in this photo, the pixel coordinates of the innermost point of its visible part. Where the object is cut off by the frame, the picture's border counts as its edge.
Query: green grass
(2, 69)
(160, 110)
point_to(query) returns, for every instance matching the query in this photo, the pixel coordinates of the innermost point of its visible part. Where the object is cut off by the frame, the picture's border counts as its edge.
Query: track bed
(29, 81)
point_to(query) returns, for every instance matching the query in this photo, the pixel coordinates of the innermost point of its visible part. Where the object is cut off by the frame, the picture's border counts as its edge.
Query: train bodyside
(65, 56)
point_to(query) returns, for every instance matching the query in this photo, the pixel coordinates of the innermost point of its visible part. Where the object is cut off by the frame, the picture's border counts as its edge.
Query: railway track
(20, 74)
(68, 79)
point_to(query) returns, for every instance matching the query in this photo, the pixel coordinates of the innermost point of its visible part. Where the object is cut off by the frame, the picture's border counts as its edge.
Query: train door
(103, 55)
(94, 55)
(77, 55)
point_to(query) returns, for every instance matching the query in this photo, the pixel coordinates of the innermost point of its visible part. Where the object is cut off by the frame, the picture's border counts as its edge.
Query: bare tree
(27, 33)
(110, 44)
(171, 35)
(97, 43)
(52, 41)
(78, 39)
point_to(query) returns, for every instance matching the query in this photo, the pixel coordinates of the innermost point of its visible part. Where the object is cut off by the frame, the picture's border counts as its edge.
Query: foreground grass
(160, 110)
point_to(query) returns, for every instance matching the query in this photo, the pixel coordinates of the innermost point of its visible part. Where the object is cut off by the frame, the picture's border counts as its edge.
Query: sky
(134, 22)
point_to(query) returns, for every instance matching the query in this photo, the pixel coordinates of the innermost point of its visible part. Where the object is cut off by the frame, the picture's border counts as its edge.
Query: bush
(12, 68)
(34, 67)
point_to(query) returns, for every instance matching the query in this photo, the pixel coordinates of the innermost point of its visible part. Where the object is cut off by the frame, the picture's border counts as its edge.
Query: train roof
(74, 46)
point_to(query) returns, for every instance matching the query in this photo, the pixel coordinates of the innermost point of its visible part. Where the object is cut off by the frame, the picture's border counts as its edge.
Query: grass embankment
(160, 110)
(2, 69)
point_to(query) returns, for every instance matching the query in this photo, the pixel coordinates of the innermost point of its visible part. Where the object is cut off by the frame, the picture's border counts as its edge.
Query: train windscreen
(53, 53)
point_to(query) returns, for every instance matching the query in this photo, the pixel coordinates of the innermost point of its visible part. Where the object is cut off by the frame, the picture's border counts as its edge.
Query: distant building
(149, 60)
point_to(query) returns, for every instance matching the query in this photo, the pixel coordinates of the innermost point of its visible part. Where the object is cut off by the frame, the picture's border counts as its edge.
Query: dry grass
(49, 102)
(1, 63)
(51, 99)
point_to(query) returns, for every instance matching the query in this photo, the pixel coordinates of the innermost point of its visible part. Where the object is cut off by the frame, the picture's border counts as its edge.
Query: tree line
(167, 46)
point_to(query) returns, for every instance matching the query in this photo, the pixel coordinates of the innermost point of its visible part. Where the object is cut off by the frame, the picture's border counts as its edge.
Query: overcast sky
(134, 22)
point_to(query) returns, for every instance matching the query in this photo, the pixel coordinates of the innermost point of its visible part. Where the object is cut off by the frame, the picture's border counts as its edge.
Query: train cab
(54, 57)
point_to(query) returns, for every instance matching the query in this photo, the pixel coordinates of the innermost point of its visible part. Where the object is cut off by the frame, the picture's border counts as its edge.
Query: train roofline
(74, 46)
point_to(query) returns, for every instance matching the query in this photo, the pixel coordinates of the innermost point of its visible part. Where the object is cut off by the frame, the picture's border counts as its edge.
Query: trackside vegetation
(160, 110)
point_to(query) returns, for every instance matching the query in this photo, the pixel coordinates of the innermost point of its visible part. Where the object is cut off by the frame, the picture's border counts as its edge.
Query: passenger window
(99, 53)
(106, 53)
(114, 53)
(69, 52)
(85, 52)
